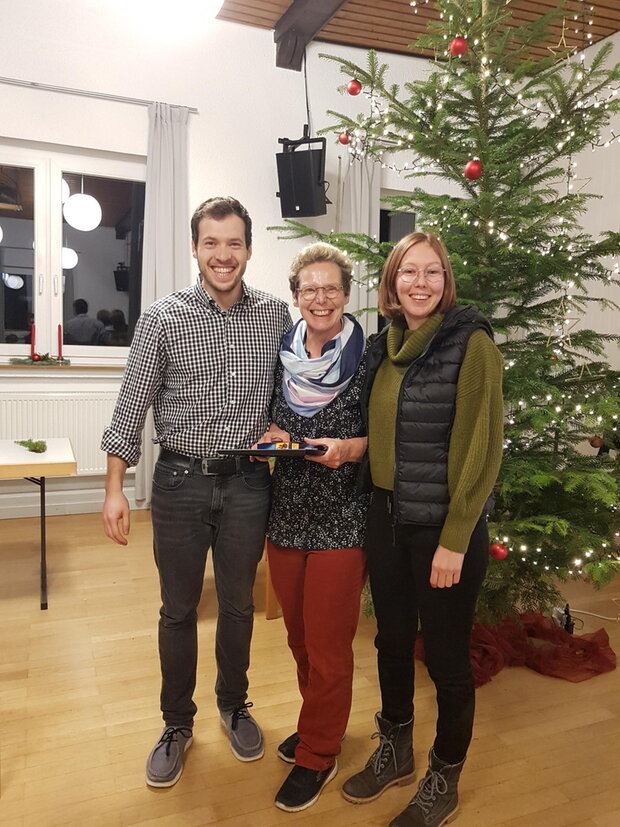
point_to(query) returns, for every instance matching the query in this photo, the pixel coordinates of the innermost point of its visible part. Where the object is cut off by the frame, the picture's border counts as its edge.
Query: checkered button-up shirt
(207, 373)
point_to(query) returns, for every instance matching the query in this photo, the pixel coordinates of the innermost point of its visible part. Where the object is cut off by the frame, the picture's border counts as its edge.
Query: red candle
(32, 342)
(59, 341)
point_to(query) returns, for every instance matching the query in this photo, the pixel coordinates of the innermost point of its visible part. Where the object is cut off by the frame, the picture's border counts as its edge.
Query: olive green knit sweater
(475, 449)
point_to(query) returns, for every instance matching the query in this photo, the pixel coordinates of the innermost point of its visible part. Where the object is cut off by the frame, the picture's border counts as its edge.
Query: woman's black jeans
(399, 566)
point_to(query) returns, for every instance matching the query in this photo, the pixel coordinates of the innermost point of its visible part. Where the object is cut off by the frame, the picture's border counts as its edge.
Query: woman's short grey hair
(314, 253)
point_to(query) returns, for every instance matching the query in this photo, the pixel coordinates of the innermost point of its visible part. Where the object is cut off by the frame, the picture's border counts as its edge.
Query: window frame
(48, 164)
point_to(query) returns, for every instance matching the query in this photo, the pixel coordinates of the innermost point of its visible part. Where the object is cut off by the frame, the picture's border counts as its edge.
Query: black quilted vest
(425, 415)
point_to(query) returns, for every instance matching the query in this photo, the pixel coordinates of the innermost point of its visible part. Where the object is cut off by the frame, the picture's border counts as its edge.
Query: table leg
(43, 548)
(40, 481)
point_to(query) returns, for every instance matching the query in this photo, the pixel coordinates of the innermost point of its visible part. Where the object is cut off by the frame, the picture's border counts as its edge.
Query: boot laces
(170, 735)
(240, 712)
(384, 753)
(432, 785)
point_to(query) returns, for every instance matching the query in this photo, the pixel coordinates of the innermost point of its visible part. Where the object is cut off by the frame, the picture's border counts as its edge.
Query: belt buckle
(218, 465)
(205, 466)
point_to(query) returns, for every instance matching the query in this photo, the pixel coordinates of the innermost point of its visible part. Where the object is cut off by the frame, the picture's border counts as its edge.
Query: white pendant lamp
(69, 258)
(12, 281)
(82, 212)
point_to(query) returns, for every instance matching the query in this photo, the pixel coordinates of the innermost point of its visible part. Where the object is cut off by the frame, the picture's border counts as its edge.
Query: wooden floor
(79, 711)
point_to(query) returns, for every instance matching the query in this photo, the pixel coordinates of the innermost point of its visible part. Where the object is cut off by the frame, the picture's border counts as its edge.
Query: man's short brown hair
(218, 208)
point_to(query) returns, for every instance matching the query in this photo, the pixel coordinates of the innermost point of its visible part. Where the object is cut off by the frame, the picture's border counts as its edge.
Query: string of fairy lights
(360, 143)
(381, 135)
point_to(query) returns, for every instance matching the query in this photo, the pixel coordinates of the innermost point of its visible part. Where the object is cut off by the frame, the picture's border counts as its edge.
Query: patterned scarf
(311, 384)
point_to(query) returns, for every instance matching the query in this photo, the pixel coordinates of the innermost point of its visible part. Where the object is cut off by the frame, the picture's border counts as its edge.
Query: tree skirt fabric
(535, 641)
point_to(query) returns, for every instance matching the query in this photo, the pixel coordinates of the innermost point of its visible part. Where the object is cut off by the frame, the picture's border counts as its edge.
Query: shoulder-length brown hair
(389, 304)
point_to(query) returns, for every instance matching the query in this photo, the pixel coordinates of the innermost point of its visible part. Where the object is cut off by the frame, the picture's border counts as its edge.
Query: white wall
(599, 172)
(226, 71)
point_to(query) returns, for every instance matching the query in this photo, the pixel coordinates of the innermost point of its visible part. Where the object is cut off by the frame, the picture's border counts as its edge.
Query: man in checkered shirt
(204, 358)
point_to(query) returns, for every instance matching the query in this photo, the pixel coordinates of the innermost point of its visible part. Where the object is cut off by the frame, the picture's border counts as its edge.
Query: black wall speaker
(301, 178)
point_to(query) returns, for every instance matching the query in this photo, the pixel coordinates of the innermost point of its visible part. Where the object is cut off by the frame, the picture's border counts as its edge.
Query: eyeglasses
(433, 273)
(308, 294)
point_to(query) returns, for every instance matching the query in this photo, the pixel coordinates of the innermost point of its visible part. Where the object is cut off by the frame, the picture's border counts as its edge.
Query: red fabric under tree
(535, 641)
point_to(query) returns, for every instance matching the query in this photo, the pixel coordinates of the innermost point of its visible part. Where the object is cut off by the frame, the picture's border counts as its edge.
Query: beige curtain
(166, 260)
(357, 211)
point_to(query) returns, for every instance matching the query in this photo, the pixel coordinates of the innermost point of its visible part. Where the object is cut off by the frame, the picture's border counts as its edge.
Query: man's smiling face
(222, 257)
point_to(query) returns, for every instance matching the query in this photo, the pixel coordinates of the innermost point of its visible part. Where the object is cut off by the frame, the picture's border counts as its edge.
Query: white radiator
(81, 416)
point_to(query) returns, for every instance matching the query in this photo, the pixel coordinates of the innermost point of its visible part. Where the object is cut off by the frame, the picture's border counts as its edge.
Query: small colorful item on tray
(278, 449)
(291, 446)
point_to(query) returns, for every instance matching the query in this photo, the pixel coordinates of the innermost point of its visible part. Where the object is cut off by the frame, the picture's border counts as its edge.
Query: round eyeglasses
(434, 273)
(308, 294)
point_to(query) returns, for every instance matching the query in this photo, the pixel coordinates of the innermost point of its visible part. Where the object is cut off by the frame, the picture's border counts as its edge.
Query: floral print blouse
(315, 507)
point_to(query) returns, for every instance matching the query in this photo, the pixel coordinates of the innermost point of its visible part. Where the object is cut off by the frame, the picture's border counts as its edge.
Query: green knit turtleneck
(475, 449)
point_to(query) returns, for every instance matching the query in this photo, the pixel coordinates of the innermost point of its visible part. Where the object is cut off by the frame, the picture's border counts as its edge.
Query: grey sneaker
(165, 762)
(246, 739)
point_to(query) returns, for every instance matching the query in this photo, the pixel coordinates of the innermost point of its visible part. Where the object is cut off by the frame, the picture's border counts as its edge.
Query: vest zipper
(395, 509)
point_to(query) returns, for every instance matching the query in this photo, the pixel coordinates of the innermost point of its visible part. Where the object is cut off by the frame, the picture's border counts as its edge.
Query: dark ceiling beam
(297, 27)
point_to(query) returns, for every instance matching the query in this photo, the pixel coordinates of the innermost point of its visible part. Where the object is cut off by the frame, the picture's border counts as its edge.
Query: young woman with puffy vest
(435, 414)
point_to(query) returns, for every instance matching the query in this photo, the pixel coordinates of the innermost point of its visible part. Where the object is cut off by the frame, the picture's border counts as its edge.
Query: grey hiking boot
(436, 801)
(165, 762)
(391, 763)
(246, 739)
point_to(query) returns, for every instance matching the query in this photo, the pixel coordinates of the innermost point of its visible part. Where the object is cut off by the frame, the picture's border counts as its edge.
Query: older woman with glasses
(317, 524)
(435, 416)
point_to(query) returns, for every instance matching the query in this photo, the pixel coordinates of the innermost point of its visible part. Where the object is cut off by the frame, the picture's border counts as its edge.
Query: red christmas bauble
(36, 358)
(473, 170)
(497, 551)
(354, 87)
(595, 441)
(344, 137)
(458, 47)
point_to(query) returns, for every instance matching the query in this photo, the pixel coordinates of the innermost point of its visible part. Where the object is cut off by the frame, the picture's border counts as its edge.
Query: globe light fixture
(82, 212)
(1, 234)
(65, 192)
(69, 258)
(12, 281)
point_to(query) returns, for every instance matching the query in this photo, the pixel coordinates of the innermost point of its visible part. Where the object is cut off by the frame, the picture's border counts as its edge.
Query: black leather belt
(207, 466)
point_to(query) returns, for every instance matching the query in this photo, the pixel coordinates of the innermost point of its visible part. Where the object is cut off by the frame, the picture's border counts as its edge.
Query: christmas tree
(502, 129)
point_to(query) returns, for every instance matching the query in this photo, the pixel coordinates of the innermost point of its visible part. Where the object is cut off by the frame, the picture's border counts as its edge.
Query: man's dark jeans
(192, 513)
(399, 567)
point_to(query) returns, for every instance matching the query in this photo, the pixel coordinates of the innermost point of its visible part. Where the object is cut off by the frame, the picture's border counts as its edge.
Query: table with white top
(57, 461)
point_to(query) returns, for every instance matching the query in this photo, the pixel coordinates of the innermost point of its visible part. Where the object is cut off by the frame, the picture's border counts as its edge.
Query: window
(71, 284)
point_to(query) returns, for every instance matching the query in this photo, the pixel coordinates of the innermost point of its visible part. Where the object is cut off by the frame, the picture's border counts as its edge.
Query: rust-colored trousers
(319, 592)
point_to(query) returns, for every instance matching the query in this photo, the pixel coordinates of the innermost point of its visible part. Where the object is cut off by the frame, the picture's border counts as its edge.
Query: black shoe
(286, 750)
(302, 787)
